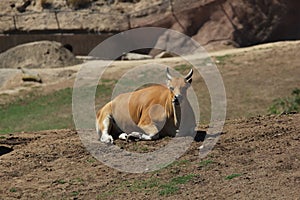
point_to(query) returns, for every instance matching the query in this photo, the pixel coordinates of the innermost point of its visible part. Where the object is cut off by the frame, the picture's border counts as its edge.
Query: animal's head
(179, 86)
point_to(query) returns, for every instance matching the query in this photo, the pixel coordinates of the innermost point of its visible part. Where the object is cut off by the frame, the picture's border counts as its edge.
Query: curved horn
(189, 75)
(168, 74)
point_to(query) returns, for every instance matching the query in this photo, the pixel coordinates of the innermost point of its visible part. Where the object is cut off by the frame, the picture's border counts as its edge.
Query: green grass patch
(286, 105)
(172, 186)
(91, 160)
(156, 185)
(182, 68)
(60, 181)
(140, 185)
(35, 113)
(205, 163)
(149, 185)
(172, 166)
(106, 195)
(74, 193)
(222, 59)
(76, 180)
(232, 176)
(45, 112)
(179, 163)
(168, 189)
(182, 179)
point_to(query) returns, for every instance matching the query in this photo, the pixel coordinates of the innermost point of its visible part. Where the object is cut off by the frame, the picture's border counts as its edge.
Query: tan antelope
(149, 113)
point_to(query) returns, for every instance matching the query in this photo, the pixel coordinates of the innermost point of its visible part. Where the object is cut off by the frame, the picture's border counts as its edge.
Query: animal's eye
(171, 88)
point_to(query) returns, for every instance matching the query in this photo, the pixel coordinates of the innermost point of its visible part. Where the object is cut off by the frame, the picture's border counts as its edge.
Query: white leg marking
(105, 137)
(123, 136)
(142, 136)
(137, 135)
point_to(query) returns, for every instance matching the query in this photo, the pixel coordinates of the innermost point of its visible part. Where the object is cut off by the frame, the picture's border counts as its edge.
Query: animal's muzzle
(177, 99)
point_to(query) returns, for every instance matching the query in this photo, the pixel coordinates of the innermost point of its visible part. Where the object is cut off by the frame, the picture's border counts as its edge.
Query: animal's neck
(176, 114)
(174, 110)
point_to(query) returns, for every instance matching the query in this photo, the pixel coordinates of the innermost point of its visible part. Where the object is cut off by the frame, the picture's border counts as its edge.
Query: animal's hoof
(108, 140)
(135, 135)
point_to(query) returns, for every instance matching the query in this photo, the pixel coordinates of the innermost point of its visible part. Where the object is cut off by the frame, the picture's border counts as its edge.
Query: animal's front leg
(105, 137)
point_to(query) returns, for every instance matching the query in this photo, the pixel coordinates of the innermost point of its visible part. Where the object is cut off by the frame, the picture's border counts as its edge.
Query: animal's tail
(98, 129)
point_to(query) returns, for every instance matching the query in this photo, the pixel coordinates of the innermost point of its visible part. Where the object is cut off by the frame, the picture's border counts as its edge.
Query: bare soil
(255, 158)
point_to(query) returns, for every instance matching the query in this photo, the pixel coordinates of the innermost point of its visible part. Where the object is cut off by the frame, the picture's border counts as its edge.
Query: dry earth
(263, 153)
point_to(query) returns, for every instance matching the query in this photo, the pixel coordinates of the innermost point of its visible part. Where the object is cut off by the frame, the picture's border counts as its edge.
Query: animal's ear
(169, 77)
(168, 83)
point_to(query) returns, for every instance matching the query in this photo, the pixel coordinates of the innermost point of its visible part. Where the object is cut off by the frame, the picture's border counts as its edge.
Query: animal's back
(131, 109)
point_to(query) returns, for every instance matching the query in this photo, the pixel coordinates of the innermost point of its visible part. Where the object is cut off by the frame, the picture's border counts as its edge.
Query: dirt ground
(255, 158)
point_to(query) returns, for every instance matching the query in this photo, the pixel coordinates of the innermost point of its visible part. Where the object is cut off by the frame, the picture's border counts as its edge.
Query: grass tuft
(13, 190)
(168, 189)
(232, 176)
(205, 163)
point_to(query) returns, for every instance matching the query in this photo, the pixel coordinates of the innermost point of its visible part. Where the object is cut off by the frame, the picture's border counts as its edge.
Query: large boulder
(41, 54)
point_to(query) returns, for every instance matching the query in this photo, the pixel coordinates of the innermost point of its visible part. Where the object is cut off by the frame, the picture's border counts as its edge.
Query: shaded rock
(42, 54)
(31, 76)
(23, 7)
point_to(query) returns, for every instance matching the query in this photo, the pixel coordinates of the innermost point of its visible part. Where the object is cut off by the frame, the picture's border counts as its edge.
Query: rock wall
(213, 23)
(217, 23)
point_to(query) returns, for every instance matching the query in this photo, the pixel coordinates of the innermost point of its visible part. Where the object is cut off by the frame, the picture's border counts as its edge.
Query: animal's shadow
(200, 136)
(5, 150)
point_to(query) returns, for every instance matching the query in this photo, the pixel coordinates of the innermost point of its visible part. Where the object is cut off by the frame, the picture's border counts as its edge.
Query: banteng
(149, 113)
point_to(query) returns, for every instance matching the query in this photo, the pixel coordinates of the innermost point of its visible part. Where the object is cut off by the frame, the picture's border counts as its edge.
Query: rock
(135, 56)
(8, 77)
(31, 76)
(164, 54)
(42, 54)
(78, 4)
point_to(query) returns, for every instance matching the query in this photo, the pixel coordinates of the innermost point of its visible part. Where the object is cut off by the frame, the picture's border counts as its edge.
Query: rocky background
(214, 23)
